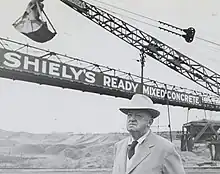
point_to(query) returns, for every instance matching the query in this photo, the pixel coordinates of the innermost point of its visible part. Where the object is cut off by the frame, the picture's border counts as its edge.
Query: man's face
(138, 121)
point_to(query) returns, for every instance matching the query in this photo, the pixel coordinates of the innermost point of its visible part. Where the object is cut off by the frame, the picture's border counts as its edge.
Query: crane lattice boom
(149, 45)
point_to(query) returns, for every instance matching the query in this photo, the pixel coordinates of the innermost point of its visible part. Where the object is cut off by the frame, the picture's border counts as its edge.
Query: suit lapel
(122, 157)
(142, 152)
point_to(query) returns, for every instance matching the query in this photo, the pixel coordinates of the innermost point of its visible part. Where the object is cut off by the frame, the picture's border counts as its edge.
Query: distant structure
(204, 132)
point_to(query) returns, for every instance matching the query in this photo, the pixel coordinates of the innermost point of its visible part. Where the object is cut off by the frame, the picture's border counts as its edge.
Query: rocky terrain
(69, 150)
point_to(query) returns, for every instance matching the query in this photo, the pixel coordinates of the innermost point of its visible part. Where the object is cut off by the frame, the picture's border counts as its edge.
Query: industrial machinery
(202, 132)
(20, 61)
(161, 52)
(148, 45)
(32, 23)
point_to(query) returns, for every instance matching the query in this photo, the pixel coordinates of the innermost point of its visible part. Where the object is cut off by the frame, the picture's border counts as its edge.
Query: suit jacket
(155, 155)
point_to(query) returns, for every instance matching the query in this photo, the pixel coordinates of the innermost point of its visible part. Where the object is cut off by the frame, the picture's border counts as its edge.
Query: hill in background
(69, 150)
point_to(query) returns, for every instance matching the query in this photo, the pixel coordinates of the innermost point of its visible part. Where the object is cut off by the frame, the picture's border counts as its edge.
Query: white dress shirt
(140, 141)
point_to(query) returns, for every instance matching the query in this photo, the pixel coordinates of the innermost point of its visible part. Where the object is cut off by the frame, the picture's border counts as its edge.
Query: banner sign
(31, 64)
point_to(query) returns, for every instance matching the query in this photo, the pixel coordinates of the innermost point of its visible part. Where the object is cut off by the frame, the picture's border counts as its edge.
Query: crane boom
(149, 45)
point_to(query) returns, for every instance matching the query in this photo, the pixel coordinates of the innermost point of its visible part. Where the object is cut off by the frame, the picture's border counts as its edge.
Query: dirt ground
(84, 151)
(188, 171)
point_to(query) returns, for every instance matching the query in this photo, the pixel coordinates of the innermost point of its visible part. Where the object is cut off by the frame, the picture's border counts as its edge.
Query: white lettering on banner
(158, 93)
(76, 74)
(121, 84)
(44, 67)
(197, 99)
(168, 95)
(178, 96)
(114, 82)
(135, 86)
(15, 60)
(21, 61)
(34, 63)
(118, 83)
(162, 93)
(211, 100)
(189, 99)
(12, 60)
(186, 98)
(182, 97)
(106, 81)
(90, 77)
(128, 85)
(154, 91)
(54, 69)
(172, 95)
(64, 73)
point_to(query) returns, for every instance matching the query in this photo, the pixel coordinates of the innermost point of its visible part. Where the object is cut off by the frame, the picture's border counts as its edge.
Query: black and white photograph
(110, 87)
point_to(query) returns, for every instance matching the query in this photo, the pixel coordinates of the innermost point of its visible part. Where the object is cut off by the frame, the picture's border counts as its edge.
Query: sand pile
(27, 149)
(73, 150)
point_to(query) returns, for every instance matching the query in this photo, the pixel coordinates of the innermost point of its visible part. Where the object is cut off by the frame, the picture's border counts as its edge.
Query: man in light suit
(144, 152)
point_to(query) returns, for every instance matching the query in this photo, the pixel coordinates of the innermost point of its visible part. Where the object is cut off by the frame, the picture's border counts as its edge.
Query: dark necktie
(131, 150)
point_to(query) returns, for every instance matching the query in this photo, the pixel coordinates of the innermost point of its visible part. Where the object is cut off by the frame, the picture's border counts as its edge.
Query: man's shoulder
(162, 142)
(122, 141)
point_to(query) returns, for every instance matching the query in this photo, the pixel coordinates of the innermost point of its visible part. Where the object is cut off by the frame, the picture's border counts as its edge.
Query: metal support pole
(168, 110)
(142, 60)
(158, 125)
(187, 118)
(205, 114)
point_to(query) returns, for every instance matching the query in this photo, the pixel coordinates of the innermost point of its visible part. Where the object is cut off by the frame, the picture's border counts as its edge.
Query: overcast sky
(34, 108)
